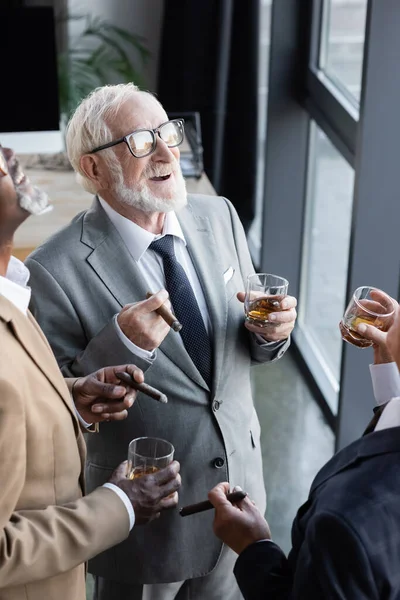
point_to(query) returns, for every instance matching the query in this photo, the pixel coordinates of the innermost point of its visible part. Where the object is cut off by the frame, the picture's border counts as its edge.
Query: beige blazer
(47, 528)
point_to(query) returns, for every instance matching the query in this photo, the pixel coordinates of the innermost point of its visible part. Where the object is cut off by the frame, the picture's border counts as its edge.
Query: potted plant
(98, 55)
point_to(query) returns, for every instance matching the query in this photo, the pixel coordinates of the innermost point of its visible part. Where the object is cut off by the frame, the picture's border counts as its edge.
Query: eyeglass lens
(142, 142)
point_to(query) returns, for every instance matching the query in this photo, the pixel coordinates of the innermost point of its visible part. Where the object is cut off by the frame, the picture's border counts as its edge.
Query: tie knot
(164, 246)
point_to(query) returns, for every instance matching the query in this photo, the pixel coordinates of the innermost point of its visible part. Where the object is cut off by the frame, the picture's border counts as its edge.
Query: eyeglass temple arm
(109, 145)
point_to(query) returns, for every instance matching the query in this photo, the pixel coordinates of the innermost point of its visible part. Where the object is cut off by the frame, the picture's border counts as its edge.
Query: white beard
(143, 198)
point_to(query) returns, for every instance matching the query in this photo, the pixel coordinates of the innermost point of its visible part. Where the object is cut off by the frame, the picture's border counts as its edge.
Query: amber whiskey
(259, 310)
(140, 471)
(350, 333)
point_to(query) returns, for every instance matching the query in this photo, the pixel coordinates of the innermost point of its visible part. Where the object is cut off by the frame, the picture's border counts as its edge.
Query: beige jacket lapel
(31, 337)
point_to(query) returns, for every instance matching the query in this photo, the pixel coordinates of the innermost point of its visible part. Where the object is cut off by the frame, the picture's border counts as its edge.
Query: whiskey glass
(264, 293)
(148, 455)
(368, 305)
(3, 164)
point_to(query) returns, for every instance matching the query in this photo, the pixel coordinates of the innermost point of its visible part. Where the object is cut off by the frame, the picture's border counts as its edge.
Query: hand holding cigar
(142, 387)
(167, 315)
(192, 509)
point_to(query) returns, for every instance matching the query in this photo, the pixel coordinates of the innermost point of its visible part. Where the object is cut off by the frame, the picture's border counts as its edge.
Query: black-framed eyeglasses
(143, 142)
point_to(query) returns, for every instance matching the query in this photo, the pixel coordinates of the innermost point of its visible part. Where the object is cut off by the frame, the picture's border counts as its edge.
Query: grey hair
(87, 128)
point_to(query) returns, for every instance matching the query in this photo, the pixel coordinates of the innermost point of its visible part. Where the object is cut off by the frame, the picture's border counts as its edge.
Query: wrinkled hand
(379, 338)
(237, 525)
(141, 325)
(149, 494)
(281, 322)
(102, 397)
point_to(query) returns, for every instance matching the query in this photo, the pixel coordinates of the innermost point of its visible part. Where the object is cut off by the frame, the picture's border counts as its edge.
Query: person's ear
(94, 169)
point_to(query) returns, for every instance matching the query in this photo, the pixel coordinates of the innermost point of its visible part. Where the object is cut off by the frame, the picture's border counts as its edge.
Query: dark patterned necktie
(185, 307)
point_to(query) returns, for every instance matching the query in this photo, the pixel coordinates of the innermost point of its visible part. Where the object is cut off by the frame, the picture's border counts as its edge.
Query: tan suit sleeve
(70, 382)
(94, 427)
(37, 544)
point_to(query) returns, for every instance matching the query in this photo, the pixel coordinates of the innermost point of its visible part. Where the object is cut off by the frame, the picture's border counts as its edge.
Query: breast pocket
(231, 283)
(231, 291)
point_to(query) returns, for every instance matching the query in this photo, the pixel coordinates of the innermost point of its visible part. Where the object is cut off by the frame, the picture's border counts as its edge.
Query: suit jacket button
(218, 462)
(215, 405)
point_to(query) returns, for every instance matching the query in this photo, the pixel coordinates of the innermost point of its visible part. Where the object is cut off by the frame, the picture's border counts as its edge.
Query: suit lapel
(114, 265)
(30, 336)
(203, 252)
(35, 344)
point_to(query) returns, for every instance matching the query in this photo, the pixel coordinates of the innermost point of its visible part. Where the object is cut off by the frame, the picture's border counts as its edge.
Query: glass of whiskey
(264, 293)
(148, 455)
(368, 305)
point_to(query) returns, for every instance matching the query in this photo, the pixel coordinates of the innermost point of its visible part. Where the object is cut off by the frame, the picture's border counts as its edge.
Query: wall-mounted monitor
(28, 72)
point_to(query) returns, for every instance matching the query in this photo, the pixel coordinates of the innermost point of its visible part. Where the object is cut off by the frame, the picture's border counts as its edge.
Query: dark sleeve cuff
(261, 571)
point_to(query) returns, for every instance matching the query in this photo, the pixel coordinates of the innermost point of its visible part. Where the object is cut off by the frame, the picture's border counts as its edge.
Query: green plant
(95, 57)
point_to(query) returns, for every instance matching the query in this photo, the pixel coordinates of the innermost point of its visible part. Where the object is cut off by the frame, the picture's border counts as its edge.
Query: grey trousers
(218, 585)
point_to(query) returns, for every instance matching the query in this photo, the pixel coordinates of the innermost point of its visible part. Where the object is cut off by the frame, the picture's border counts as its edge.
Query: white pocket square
(228, 274)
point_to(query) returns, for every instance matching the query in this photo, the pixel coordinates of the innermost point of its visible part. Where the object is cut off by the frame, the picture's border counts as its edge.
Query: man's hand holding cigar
(142, 324)
(237, 525)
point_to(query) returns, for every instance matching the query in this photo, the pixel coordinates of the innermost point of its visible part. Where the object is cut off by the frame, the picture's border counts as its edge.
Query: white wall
(143, 17)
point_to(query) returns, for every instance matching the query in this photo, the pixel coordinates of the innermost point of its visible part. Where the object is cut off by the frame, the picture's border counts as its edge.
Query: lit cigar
(142, 387)
(167, 315)
(192, 509)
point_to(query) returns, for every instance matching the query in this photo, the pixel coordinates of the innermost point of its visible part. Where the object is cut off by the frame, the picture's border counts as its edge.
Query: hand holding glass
(148, 455)
(368, 305)
(264, 293)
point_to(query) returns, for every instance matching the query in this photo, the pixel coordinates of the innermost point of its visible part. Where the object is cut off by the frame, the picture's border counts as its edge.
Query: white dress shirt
(390, 416)
(386, 384)
(14, 287)
(137, 240)
(151, 265)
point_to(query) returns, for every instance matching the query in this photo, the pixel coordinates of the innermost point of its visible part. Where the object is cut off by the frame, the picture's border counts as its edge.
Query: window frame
(297, 95)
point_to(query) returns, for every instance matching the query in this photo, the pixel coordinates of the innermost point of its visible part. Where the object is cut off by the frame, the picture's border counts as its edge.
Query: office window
(326, 253)
(254, 235)
(342, 44)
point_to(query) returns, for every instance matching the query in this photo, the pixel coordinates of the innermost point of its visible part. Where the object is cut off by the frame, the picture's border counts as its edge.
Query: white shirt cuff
(125, 500)
(385, 382)
(86, 425)
(146, 354)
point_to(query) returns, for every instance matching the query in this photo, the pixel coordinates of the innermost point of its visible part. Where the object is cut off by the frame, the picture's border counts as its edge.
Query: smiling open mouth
(161, 178)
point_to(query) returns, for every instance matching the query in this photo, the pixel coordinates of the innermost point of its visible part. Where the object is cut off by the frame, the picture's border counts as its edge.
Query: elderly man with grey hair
(144, 233)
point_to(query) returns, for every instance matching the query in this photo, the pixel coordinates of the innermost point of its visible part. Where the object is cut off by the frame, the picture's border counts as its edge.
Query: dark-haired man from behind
(346, 537)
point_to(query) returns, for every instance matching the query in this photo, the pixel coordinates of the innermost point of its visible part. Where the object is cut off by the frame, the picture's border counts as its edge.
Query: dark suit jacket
(346, 537)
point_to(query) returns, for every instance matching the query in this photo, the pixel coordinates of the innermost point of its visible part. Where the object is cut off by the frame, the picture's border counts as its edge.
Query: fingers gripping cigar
(167, 315)
(192, 509)
(142, 387)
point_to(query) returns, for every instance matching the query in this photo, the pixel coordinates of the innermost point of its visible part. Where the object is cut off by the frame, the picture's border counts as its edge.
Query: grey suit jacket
(80, 279)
